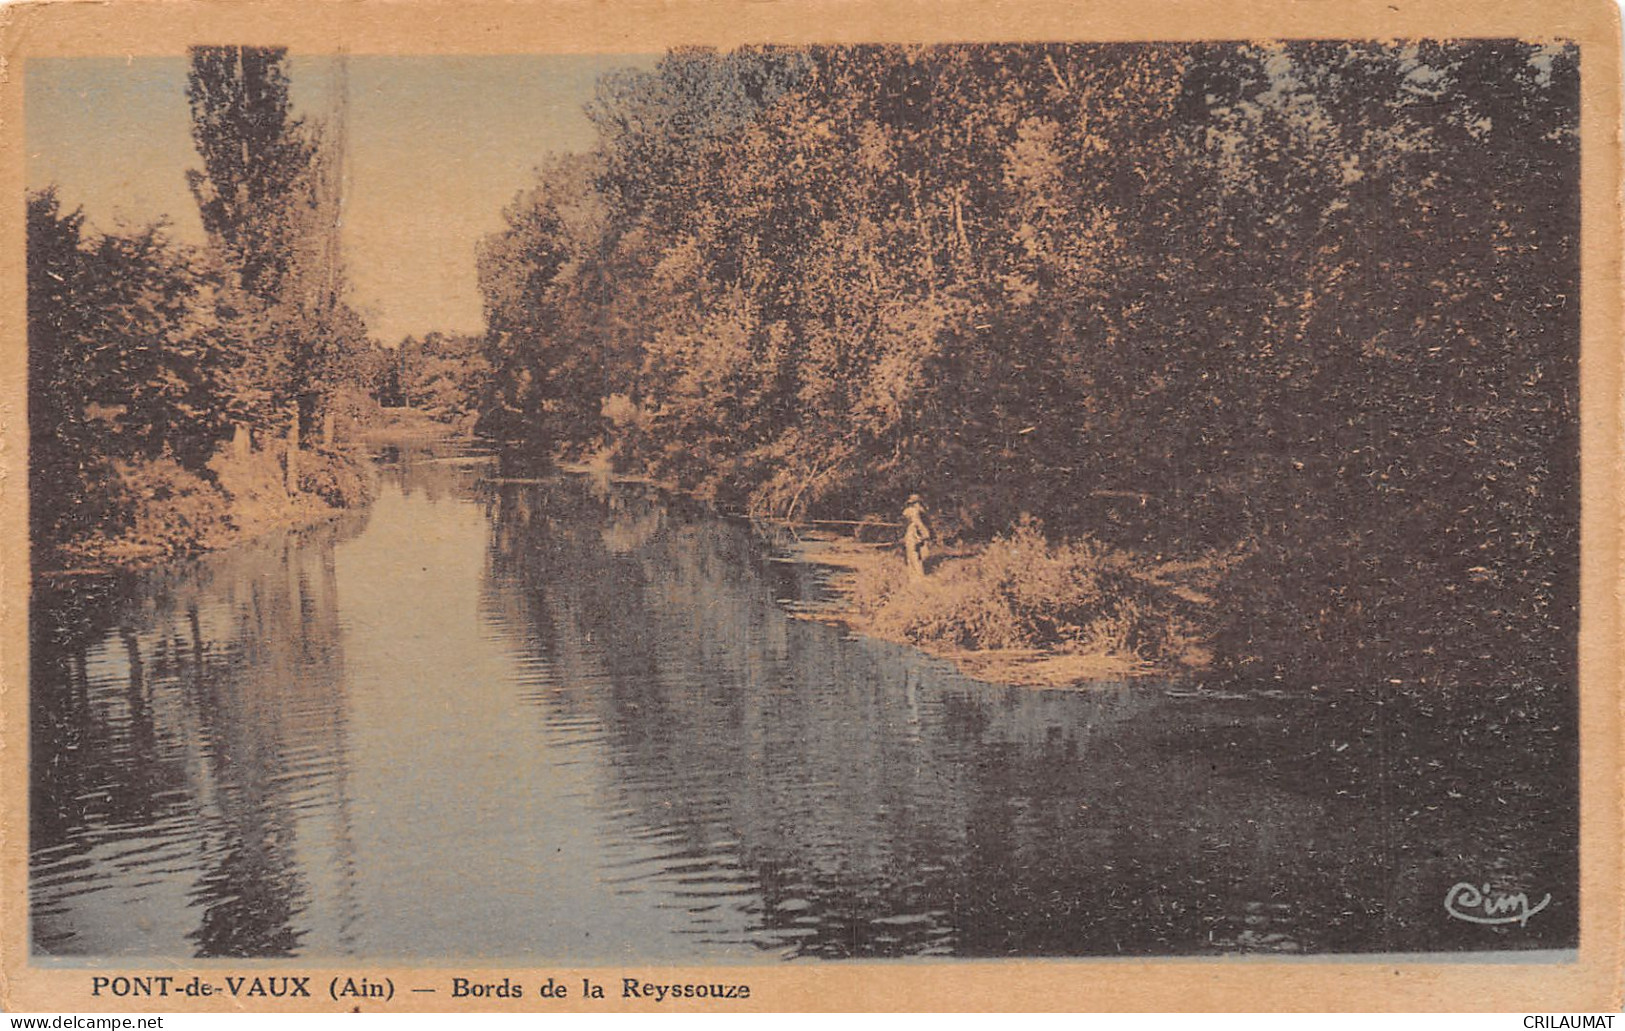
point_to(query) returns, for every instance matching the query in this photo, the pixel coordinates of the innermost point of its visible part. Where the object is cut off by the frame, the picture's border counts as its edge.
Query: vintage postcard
(810, 506)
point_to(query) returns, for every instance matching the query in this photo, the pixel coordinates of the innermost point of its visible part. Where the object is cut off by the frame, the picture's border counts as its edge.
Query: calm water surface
(525, 715)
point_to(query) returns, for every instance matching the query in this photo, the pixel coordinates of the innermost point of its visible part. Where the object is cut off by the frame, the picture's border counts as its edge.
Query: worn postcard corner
(722, 506)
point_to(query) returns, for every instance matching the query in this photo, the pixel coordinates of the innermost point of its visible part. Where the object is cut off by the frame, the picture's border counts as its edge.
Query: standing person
(915, 535)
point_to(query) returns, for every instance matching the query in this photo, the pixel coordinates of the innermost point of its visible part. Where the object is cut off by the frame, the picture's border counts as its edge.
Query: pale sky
(437, 147)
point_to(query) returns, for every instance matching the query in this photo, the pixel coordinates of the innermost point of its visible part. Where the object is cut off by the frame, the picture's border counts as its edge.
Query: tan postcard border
(1587, 980)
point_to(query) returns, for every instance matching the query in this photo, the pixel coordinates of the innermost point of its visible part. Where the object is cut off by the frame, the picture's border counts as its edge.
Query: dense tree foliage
(143, 351)
(123, 347)
(1314, 304)
(442, 375)
(268, 195)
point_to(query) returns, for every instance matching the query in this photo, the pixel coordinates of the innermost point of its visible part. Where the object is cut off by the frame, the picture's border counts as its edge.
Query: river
(510, 713)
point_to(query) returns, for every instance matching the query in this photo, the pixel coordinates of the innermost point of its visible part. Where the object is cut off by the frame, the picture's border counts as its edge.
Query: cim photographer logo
(1478, 904)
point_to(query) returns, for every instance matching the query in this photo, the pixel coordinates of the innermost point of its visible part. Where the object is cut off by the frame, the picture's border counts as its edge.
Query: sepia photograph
(739, 508)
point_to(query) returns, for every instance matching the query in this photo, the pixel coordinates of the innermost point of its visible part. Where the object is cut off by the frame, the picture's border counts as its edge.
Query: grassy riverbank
(1025, 610)
(1020, 609)
(408, 426)
(153, 510)
(157, 509)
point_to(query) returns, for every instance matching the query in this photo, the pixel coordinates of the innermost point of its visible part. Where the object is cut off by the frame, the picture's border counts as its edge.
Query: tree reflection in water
(880, 805)
(206, 723)
(526, 715)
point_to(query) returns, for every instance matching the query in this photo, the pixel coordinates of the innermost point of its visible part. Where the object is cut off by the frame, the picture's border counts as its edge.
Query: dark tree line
(268, 193)
(440, 374)
(142, 350)
(119, 364)
(1313, 303)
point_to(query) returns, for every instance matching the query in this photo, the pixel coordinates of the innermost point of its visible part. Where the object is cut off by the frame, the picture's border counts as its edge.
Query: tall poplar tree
(256, 158)
(267, 198)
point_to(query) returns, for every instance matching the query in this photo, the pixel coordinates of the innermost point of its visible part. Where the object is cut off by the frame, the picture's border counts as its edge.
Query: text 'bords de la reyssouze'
(630, 988)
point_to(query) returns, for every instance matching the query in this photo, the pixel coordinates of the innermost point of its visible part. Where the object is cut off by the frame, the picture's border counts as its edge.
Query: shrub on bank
(254, 484)
(173, 510)
(1023, 591)
(354, 412)
(158, 508)
(336, 478)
